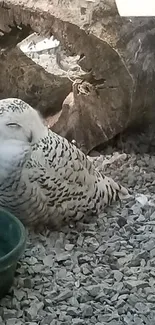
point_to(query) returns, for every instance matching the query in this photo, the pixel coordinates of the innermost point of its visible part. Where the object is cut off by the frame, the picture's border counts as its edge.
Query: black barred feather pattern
(44, 179)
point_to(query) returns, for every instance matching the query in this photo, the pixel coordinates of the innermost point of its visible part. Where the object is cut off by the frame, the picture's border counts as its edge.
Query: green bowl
(12, 245)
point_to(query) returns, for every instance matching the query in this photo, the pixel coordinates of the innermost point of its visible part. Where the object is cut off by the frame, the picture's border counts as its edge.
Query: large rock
(117, 54)
(83, 118)
(23, 78)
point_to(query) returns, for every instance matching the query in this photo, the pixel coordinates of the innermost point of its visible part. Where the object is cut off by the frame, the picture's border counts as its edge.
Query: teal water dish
(12, 245)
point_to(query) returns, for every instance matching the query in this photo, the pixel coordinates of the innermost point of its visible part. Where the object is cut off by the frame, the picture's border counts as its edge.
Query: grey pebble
(92, 243)
(77, 321)
(32, 312)
(142, 308)
(118, 275)
(72, 311)
(151, 298)
(80, 240)
(27, 283)
(85, 269)
(65, 294)
(60, 257)
(69, 247)
(11, 321)
(152, 253)
(94, 290)
(87, 311)
(73, 302)
(48, 260)
(152, 216)
(135, 283)
(8, 313)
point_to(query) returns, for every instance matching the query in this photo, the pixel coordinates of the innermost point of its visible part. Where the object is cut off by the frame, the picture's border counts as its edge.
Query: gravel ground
(101, 272)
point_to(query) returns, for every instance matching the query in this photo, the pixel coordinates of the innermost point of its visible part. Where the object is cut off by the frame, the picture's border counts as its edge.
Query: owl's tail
(113, 191)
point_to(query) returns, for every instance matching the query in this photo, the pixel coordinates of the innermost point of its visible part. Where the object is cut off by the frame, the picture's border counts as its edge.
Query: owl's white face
(20, 121)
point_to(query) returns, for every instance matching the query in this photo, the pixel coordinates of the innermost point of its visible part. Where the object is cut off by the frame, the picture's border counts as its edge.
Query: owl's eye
(13, 125)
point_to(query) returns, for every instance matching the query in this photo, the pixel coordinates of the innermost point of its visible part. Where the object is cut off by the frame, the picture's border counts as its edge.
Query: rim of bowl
(23, 234)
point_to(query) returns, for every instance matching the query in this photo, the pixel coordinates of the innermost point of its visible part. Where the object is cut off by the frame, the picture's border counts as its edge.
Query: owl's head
(20, 121)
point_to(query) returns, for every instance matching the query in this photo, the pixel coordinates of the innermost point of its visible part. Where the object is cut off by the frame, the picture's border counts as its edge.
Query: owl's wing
(67, 164)
(64, 159)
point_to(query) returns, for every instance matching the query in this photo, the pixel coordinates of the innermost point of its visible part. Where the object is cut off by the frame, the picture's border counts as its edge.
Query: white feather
(50, 179)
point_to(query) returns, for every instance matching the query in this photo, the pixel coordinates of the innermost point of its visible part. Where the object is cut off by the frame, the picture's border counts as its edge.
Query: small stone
(34, 309)
(123, 296)
(84, 259)
(87, 311)
(27, 283)
(64, 307)
(100, 271)
(77, 283)
(121, 222)
(92, 243)
(94, 290)
(104, 319)
(83, 296)
(77, 321)
(76, 270)
(118, 286)
(151, 298)
(115, 297)
(138, 320)
(152, 253)
(149, 245)
(47, 302)
(152, 216)
(114, 315)
(66, 294)
(80, 241)
(69, 247)
(136, 208)
(73, 302)
(118, 275)
(142, 308)
(62, 315)
(72, 311)
(8, 313)
(62, 257)
(48, 260)
(19, 294)
(54, 322)
(120, 303)
(135, 283)
(11, 321)
(32, 260)
(119, 254)
(142, 199)
(136, 260)
(62, 273)
(85, 269)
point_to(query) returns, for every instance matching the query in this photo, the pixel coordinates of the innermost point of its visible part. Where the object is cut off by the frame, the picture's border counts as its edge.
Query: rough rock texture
(81, 117)
(117, 54)
(23, 78)
(102, 272)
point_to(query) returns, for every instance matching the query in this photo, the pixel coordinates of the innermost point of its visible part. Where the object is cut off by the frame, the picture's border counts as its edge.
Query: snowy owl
(44, 179)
